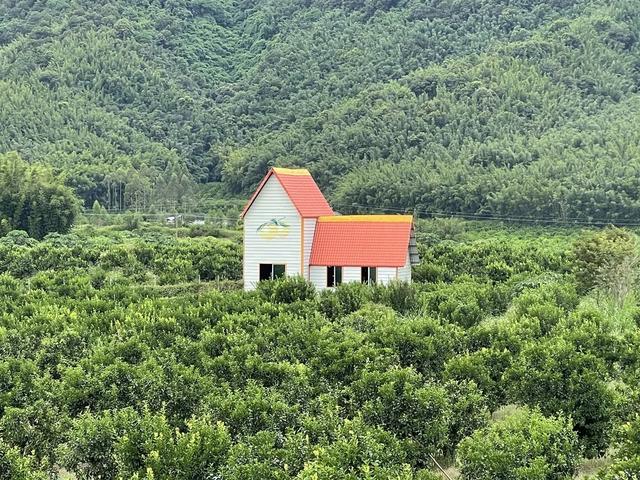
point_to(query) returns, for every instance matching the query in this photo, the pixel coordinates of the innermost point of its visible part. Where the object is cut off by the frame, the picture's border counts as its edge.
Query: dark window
(269, 271)
(334, 276)
(368, 275)
(278, 271)
(266, 271)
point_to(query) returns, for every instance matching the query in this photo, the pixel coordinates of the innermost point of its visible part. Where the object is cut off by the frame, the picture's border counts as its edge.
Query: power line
(505, 218)
(423, 214)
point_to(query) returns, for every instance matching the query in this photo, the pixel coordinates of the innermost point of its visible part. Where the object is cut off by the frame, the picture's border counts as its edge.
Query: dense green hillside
(490, 107)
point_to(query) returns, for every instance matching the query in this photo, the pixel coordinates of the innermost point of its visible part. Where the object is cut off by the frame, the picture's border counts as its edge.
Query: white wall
(386, 275)
(309, 231)
(404, 273)
(271, 245)
(318, 276)
(351, 274)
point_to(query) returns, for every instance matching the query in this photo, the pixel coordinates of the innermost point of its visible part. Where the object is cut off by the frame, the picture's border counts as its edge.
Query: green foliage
(627, 463)
(124, 443)
(169, 260)
(495, 108)
(525, 445)
(32, 199)
(597, 253)
(135, 354)
(469, 412)
(286, 290)
(556, 376)
(398, 401)
(485, 367)
(400, 296)
(465, 303)
(359, 451)
(14, 466)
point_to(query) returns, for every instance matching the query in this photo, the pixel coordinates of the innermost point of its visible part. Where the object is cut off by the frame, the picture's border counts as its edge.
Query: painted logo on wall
(274, 228)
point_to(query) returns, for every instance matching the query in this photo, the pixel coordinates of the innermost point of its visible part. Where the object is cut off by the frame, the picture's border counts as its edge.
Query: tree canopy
(491, 107)
(33, 199)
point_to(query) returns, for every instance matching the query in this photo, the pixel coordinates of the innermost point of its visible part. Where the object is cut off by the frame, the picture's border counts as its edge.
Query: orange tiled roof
(301, 189)
(362, 240)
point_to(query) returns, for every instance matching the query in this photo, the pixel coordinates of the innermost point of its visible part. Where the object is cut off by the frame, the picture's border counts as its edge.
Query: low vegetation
(133, 354)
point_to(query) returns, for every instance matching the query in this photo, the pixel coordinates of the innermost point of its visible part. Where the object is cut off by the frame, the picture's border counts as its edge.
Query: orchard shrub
(15, 466)
(485, 368)
(465, 303)
(557, 377)
(469, 411)
(627, 457)
(286, 290)
(524, 446)
(401, 402)
(595, 253)
(359, 449)
(401, 296)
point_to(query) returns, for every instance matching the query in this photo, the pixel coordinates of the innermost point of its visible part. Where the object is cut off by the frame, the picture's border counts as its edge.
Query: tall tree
(33, 199)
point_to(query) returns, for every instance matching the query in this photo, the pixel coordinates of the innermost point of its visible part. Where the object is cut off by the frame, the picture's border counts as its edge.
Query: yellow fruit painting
(274, 228)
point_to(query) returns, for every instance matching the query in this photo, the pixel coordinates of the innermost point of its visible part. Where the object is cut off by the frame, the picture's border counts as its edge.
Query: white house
(290, 230)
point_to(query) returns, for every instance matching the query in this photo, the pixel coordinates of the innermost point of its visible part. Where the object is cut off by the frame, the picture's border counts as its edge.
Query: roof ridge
(300, 187)
(290, 171)
(391, 218)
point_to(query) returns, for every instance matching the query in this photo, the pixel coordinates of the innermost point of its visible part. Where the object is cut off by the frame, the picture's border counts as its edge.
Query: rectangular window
(368, 275)
(278, 271)
(270, 271)
(334, 276)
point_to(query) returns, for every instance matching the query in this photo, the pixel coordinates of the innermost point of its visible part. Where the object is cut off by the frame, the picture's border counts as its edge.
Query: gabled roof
(362, 240)
(301, 189)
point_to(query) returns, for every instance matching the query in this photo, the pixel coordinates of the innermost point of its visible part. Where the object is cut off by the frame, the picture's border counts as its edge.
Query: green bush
(359, 449)
(401, 296)
(127, 444)
(15, 466)
(524, 446)
(485, 368)
(627, 457)
(464, 303)
(402, 403)
(596, 252)
(469, 412)
(556, 376)
(286, 290)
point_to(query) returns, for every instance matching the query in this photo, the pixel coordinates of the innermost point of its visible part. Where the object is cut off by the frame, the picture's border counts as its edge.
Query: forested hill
(492, 107)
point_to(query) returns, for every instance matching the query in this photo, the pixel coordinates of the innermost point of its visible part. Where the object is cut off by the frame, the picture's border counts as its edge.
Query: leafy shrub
(126, 444)
(268, 455)
(286, 290)
(464, 303)
(402, 403)
(401, 296)
(469, 411)
(557, 377)
(524, 446)
(485, 368)
(344, 299)
(419, 342)
(359, 449)
(596, 252)
(18, 238)
(36, 428)
(627, 458)
(15, 466)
